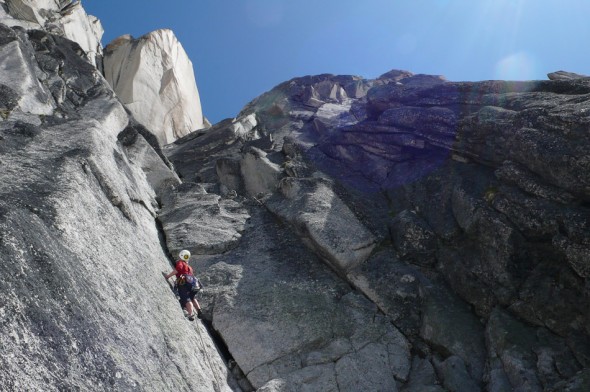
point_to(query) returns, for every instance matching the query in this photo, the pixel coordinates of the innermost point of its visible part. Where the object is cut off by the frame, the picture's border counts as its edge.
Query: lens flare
(516, 66)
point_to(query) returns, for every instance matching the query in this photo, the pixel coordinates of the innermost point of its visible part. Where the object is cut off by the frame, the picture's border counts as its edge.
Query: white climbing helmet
(184, 255)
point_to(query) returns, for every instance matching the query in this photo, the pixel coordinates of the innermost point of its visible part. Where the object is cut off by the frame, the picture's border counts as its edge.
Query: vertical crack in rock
(162, 238)
(109, 189)
(215, 336)
(223, 350)
(144, 205)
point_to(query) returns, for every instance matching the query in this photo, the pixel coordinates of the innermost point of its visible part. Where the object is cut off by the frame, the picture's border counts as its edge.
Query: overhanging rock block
(327, 224)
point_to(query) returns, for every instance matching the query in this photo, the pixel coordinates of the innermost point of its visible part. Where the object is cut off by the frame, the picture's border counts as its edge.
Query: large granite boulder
(154, 78)
(318, 215)
(260, 175)
(201, 222)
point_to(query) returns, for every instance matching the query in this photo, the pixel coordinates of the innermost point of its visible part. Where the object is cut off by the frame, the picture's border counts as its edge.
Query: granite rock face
(318, 215)
(154, 78)
(200, 221)
(61, 17)
(83, 305)
(286, 316)
(470, 199)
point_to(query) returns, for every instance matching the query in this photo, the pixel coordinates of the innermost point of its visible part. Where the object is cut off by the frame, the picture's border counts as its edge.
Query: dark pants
(186, 294)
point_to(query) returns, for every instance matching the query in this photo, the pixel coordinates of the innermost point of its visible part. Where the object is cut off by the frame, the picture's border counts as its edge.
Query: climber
(187, 285)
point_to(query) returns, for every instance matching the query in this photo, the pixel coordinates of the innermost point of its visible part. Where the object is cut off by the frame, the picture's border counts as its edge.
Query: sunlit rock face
(154, 78)
(66, 18)
(83, 305)
(85, 29)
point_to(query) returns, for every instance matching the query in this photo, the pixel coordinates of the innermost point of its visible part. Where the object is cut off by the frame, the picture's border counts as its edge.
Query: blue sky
(242, 48)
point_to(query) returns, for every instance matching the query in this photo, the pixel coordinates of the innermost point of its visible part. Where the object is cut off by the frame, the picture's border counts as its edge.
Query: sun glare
(516, 66)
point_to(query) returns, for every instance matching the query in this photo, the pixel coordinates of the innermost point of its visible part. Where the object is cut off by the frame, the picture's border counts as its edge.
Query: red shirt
(183, 268)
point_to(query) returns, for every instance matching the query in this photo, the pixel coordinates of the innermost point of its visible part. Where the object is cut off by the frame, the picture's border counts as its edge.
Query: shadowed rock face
(477, 197)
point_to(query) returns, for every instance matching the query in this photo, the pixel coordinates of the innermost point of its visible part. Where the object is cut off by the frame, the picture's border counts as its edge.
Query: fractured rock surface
(286, 315)
(201, 222)
(83, 303)
(322, 219)
(476, 232)
(62, 17)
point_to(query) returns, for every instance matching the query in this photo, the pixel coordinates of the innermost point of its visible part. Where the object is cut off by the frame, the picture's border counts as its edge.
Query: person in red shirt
(186, 291)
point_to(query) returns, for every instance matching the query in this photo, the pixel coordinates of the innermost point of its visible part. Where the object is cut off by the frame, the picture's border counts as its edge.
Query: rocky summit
(154, 78)
(405, 233)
